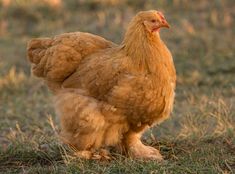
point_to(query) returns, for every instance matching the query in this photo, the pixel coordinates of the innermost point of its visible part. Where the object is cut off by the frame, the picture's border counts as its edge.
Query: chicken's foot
(102, 154)
(136, 149)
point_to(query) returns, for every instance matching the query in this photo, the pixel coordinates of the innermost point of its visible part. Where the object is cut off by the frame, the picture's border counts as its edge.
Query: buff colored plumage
(108, 94)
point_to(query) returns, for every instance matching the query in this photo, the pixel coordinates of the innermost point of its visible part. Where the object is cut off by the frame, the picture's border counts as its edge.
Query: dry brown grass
(199, 137)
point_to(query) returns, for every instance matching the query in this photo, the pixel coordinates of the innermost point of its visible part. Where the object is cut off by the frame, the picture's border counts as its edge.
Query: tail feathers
(36, 49)
(39, 68)
(52, 60)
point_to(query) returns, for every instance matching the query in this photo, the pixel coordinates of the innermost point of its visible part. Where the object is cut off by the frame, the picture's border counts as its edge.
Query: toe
(83, 154)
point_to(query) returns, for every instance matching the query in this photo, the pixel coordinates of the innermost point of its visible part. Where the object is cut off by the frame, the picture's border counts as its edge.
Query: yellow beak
(165, 24)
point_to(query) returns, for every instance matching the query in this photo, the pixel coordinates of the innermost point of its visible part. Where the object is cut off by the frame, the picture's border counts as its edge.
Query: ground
(199, 136)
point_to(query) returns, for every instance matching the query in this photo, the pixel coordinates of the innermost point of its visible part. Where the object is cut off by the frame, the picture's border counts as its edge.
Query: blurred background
(201, 40)
(201, 37)
(198, 137)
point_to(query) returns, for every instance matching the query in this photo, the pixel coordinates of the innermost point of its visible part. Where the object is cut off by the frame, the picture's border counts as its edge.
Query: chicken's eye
(153, 20)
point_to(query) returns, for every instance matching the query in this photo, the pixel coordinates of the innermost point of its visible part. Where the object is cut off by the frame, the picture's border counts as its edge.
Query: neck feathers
(143, 48)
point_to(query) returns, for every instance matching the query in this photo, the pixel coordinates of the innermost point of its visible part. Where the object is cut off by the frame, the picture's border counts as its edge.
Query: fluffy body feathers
(108, 94)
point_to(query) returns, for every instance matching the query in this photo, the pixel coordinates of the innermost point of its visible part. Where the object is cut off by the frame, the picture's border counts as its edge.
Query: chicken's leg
(87, 124)
(137, 149)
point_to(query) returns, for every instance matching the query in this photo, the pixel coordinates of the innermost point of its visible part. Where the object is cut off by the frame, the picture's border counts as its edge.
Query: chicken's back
(54, 59)
(99, 72)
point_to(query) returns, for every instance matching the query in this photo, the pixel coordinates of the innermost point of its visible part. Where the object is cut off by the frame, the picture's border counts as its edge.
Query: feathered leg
(87, 124)
(136, 149)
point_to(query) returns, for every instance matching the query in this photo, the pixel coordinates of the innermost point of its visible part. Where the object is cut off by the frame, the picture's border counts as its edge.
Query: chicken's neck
(145, 51)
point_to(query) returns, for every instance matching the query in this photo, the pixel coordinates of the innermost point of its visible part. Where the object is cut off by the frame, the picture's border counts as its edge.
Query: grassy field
(198, 138)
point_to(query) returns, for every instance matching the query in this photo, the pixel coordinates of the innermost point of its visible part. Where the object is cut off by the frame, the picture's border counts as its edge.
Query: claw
(85, 154)
(139, 150)
(99, 155)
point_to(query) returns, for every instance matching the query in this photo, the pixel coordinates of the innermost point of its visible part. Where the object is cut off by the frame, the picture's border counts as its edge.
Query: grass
(198, 138)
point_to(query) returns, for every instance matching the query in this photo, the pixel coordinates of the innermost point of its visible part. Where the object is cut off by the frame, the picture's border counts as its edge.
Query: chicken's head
(153, 20)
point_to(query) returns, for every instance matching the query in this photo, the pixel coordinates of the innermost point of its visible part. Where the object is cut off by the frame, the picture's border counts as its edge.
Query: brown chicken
(107, 94)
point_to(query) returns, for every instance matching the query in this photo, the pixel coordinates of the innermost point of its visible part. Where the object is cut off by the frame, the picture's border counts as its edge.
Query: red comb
(161, 15)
